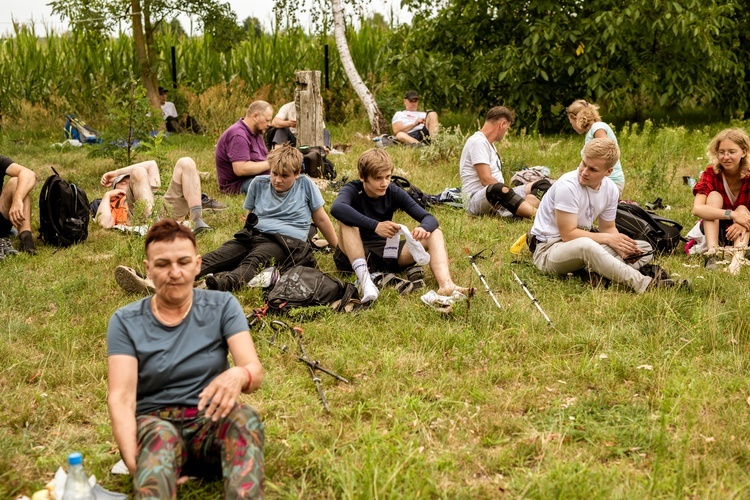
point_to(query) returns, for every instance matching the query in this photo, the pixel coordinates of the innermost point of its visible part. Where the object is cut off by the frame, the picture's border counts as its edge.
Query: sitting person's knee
(499, 194)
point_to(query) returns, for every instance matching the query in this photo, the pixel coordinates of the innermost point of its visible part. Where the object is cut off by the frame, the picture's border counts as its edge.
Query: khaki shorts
(175, 203)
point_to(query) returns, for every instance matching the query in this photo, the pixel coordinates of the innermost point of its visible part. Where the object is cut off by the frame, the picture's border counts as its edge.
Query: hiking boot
(685, 285)
(132, 281)
(210, 204)
(223, 282)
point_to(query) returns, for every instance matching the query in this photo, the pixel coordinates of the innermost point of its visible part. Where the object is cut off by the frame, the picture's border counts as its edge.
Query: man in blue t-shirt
(368, 237)
(15, 206)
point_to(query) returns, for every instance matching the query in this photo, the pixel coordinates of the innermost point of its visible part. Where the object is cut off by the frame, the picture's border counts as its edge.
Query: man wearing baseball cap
(411, 126)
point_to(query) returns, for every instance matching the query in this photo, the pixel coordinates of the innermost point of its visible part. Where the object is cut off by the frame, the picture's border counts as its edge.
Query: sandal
(402, 286)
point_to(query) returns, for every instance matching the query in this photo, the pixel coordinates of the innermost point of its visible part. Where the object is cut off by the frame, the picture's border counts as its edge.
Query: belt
(532, 243)
(176, 412)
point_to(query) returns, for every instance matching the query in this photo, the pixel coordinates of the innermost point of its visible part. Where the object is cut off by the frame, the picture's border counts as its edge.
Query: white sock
(360, 269)
(421, 257)
(367, 289)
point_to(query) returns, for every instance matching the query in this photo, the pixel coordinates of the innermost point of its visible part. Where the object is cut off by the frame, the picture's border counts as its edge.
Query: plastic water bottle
(378, 142)
(77, 485)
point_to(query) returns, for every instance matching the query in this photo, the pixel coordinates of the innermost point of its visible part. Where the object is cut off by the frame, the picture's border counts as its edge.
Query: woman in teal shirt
(584, 118)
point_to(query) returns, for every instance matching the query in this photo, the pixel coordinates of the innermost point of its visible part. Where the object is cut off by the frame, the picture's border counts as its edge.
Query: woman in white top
(584, 118)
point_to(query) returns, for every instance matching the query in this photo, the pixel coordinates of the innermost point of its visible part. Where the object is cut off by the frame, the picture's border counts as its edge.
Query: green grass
(479, 404)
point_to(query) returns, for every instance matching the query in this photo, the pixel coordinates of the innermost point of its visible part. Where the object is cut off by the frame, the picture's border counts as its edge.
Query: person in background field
(411, 126)
(482, 182)
(584, 118)
(365, 209)
(283, 128)
(173, 398)
(183, 198)
(175, 122)
(722, 197)
(241, 151)
(562, 240)
(15, 206)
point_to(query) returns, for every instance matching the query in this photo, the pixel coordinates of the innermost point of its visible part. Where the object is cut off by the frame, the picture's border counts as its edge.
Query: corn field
(45, 75)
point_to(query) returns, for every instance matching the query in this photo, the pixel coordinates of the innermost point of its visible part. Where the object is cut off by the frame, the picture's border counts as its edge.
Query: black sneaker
(224, 282)
(711, 263)
(685, 285)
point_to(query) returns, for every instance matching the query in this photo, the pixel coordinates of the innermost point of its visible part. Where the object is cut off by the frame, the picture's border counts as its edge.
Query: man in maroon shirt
(241, 151)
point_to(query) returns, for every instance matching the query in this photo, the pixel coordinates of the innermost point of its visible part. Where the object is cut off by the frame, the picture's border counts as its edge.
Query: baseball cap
(118, 179)
(162, 90)
(411, 94)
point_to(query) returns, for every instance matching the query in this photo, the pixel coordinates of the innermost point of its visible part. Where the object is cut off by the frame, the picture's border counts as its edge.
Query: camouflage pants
(178, 441)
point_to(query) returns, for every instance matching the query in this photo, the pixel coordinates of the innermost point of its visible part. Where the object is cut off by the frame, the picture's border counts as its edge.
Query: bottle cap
(75, 458)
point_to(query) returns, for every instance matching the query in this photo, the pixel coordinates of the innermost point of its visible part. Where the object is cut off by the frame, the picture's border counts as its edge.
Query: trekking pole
(533, 299)
(472, 261)
(318, 384)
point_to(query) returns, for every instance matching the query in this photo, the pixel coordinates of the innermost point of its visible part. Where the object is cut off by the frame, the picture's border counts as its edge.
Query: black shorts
(374, 256)
(5, 226)
(422, 135)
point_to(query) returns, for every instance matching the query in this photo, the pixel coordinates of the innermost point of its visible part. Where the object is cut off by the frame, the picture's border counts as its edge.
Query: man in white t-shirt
(411, 126)
(175, 122)
(482, 184)
(562, 238)
(283, 128)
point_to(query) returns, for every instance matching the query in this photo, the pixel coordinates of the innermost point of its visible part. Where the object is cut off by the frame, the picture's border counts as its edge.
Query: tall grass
(65, 73)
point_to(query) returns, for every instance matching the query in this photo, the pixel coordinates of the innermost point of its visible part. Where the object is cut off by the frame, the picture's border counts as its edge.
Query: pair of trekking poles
(473, 261)
(313, 366)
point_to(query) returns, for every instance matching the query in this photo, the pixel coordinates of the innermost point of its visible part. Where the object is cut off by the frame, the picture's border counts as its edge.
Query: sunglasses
(413, 100)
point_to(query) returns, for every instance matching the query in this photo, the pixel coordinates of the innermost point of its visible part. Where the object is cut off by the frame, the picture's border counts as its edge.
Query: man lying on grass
(138, 182)
(368, 237)
(15, 206)
(278, 223)
(562, 239)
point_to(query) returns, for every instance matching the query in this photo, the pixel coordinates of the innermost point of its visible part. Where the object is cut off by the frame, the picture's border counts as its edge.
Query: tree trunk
(309, 106)
(377, 122)
(148, 79)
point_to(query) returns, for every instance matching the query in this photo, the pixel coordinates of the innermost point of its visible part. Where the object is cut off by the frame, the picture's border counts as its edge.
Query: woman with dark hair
(173, 399)
(722, 197)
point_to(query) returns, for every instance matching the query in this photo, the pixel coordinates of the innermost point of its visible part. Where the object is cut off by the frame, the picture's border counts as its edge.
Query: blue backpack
(77, 129)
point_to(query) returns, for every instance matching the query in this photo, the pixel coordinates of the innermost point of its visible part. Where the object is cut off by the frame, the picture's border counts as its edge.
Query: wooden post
(309, 106)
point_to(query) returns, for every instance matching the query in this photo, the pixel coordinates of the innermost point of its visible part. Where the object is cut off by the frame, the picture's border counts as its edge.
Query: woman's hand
(220, 396)
(735, 232)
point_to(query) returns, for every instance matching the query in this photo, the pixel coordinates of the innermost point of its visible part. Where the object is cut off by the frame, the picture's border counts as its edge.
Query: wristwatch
(728, 215)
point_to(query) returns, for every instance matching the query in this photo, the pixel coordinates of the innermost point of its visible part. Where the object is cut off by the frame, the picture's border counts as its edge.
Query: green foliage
(632, 56)
(131, 121)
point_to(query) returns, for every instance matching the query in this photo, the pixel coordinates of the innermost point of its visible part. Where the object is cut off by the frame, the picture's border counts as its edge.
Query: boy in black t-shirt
(368, 237)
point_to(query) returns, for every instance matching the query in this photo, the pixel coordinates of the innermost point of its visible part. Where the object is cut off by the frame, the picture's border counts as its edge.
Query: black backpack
(63, 212)
(416, 194)
(316, 164)
(663, 234)
(306, 286)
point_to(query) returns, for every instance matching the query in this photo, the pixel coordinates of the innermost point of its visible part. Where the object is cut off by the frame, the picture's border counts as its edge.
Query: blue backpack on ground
(75, 128)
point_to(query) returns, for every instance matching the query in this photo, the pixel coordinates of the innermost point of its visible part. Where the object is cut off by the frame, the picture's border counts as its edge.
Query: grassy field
(626, 396)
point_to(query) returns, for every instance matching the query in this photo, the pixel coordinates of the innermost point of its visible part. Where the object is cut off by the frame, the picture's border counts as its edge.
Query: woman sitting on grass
(584, 118)
(173, 399)
(722, 197)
